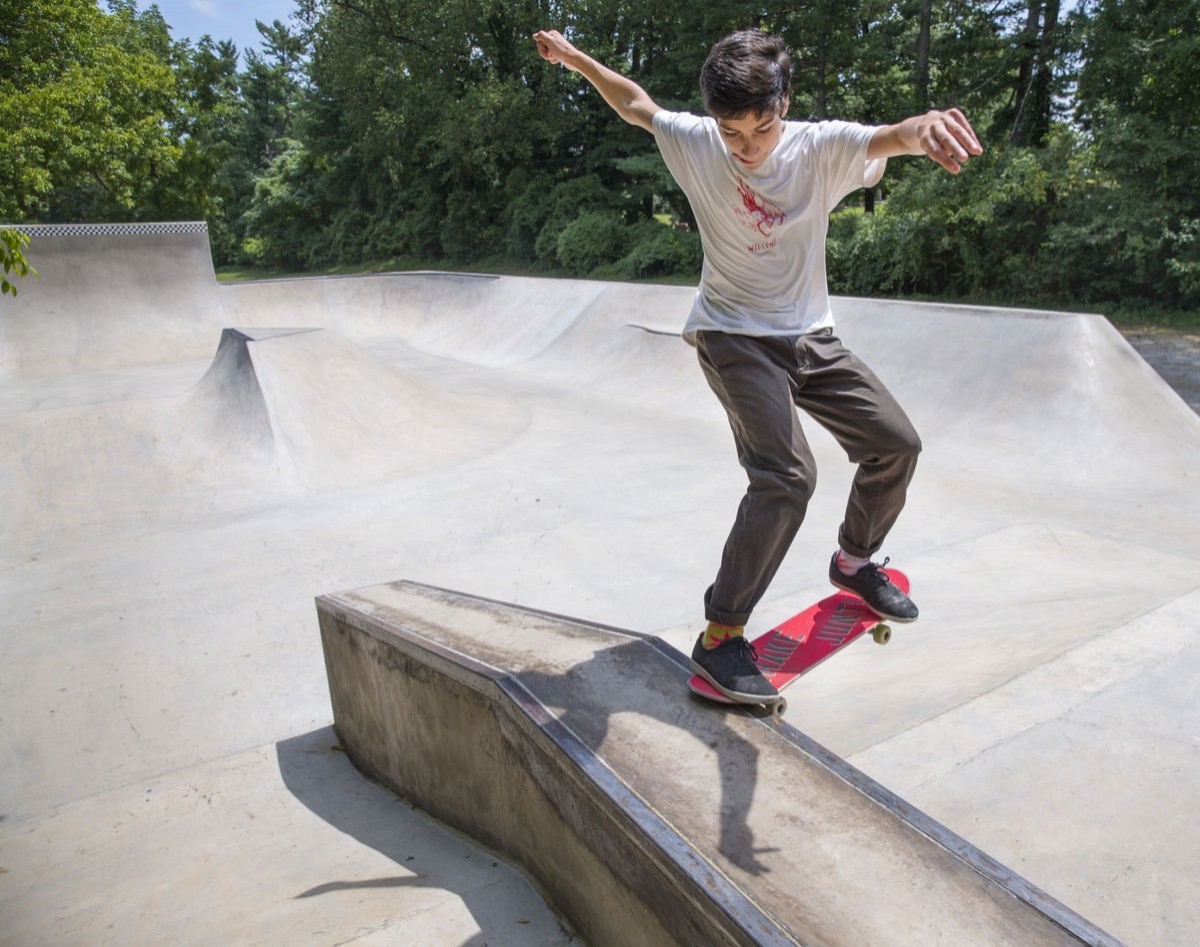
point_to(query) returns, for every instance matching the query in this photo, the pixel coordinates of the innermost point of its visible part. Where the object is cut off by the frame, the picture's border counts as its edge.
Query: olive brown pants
(761, 381)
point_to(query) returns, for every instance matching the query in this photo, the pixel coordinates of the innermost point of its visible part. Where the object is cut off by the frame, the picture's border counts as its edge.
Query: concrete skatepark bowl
(187, 465)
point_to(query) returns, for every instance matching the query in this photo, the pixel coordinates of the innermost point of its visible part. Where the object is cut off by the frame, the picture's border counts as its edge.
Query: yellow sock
(716, 634)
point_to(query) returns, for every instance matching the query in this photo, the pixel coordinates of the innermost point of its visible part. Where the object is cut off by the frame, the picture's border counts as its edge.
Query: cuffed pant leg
(754, 380)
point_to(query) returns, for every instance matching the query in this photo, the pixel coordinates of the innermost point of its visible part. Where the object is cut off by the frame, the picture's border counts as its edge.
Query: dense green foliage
(431, 132)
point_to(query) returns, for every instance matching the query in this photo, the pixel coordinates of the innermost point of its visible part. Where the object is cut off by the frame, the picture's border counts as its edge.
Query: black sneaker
(874, 587)
(730, 668)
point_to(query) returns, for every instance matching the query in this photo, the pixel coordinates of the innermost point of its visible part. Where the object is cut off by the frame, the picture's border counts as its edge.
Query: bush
(1019, 225)
(661, 250)
(546, 212)
(599, 245)
(590, 240)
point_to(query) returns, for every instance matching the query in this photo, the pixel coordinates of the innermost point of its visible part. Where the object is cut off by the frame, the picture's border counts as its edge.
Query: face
(751, 138)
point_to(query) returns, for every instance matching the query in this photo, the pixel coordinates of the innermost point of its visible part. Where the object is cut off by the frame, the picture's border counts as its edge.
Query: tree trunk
(925, 29)
(1032, 104)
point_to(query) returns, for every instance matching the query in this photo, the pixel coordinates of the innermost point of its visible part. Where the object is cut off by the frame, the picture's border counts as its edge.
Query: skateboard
(802, 642)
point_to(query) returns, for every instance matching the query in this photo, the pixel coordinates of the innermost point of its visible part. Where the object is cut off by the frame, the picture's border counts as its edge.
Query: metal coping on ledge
(108, 230)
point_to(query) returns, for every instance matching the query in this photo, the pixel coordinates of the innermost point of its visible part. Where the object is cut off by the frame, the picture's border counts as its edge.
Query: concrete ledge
(648, 816)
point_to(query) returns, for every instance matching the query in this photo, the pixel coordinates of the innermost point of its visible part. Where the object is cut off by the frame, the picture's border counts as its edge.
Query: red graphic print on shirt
(759, 215)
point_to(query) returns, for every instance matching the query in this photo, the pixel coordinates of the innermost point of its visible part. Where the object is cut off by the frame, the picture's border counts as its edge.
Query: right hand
(552, 47)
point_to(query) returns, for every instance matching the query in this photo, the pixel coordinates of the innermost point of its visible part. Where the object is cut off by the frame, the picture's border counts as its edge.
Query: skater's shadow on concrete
(642, 677)
(647, 678)
(434, 859)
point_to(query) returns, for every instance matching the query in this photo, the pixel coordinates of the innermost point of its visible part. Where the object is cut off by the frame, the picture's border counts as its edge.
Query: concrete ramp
(228, 406)
(484, 320)
(648, 816)
(321, 410)
(1025, 395)
(111, 296)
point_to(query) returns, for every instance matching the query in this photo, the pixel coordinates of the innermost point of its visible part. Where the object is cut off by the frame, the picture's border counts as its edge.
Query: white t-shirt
(763, 230)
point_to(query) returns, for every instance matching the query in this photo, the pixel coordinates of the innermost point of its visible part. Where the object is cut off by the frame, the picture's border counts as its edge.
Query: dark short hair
(746, 73)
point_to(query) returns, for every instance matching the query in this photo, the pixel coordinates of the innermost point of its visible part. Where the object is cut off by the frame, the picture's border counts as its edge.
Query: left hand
(947, 138)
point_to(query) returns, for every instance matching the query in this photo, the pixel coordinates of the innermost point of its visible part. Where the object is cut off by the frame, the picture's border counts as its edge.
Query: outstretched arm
(946, 137)
(627, 98)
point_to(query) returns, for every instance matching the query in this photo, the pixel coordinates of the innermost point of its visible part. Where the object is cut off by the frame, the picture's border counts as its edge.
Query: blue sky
(222, 19)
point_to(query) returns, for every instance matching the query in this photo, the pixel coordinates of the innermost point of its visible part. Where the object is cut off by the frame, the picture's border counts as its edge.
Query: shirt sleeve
(843, 154)
(681, 137)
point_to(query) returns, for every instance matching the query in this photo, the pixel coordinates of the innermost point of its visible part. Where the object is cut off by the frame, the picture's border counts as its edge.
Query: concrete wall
(648, 816)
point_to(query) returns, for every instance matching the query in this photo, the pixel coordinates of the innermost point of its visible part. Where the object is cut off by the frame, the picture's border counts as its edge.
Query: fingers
(947, 152)
(950, 140)
(966, 133)
(550, 45)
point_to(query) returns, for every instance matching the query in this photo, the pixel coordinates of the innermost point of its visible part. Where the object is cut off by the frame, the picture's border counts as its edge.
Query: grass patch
(1151, 317)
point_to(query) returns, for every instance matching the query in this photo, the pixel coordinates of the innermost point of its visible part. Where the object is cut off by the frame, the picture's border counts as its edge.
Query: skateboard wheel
(882, 634)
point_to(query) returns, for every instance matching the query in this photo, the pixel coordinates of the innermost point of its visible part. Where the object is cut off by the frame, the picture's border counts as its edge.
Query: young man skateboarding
(761, 189)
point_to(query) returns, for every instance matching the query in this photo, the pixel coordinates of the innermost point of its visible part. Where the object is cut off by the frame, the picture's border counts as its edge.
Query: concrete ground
(175, 497)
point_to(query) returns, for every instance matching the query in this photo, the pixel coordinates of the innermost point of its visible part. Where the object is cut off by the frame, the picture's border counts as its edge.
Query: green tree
(262, 114)
(286, 223)
(202, 123)
(1137, 102)
(425, 121)
(85, 100)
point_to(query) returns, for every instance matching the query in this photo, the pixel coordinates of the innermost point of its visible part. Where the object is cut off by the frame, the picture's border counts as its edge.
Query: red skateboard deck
(801, 643)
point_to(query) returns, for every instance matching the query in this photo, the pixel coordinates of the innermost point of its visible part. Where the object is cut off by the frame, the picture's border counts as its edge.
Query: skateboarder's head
(748, 74)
